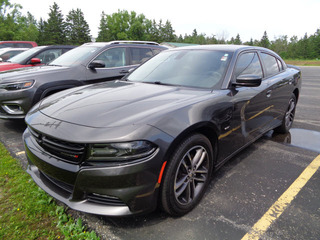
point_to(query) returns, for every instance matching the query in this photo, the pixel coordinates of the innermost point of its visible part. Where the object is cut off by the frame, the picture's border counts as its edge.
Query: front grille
(2, 110)
(104, 199)
(66, 151)
(65, 186)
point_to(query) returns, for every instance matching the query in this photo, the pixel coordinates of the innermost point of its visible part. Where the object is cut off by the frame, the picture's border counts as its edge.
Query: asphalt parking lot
(241, 192)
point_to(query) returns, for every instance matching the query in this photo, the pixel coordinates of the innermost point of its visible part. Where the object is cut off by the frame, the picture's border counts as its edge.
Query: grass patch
(303, 62)
(27, 212)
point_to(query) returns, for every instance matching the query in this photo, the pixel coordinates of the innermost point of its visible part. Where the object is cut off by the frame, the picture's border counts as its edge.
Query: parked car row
(87, 64)
(123, 146)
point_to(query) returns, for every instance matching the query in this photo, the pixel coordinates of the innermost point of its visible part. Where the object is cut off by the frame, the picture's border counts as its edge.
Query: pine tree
(103, 31)
(55, 29)
(237, 40)
(265, 40)
(78, 31)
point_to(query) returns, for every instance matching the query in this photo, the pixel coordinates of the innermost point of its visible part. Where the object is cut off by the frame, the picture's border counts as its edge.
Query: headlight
(17, 85)
(121, 151)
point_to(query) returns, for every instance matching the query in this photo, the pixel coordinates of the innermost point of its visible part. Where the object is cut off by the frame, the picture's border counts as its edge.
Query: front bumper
(107, 190)
(15, 104)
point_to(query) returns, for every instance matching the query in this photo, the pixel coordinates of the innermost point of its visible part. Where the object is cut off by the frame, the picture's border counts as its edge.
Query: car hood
(4, 66)
(29, 73)
(118, 103)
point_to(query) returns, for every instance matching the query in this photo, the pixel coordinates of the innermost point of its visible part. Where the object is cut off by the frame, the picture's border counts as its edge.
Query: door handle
(269, 93)
(291, 80)
(124, 71)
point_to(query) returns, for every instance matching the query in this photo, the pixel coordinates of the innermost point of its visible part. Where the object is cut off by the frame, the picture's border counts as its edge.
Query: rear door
(253, 103)
(279, 82)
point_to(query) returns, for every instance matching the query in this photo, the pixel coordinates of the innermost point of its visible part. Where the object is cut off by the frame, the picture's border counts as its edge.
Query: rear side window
(140, 55)
(270, 64)
(248, 64)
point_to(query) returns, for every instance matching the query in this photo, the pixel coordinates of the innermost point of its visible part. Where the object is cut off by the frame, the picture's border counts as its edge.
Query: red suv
(18, 44)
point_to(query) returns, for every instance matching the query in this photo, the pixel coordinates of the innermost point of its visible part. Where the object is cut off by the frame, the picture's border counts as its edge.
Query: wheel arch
(207, 129)
(48, 89)
(296, 93)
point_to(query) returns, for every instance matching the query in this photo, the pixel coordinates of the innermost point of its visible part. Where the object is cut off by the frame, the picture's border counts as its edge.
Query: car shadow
(15, 125)
(157, 217)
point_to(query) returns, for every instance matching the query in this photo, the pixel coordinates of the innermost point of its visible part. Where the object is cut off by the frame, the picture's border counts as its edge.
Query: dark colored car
(89, 63)
(18, 44)
(121, 147)
(6, 53)
(34, 57)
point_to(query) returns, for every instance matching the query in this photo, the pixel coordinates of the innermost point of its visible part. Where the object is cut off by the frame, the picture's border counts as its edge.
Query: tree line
(123, 25)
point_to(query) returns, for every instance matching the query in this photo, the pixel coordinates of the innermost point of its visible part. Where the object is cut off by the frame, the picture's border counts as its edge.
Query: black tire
(187, 175)
(288, 117)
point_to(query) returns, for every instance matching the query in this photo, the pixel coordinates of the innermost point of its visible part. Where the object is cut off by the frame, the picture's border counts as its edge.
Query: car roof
(126, 42)
(223, 47)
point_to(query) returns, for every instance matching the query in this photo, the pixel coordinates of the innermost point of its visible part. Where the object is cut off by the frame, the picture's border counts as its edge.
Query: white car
(6, 53)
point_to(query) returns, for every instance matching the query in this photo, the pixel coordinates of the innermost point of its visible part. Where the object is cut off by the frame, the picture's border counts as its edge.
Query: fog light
(13, 109)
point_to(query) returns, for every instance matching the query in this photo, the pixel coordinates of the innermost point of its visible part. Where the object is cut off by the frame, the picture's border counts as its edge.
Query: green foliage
(236, 41)
(9, 15)
(78, 31)
(55, 28)
(264, 42)
(26, 28)
(27, 212)
(123, 25)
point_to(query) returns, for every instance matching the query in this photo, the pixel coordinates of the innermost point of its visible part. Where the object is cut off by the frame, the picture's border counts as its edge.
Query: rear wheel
(187, 175)
(288, 117)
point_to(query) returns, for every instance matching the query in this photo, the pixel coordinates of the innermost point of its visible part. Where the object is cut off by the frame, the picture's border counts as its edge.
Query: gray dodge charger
(157, 136)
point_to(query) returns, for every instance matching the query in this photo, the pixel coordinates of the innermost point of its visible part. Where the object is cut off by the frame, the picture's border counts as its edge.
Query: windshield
(190, 68)
(20, 58)
(76, 55)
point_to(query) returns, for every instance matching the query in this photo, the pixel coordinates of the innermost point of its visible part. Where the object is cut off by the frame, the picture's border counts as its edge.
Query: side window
(280, 64)
(114, 57)
(5, 45)
(270, 64)
(248, 63)
(49, 55)
(140, 55)
(24, 45)
(156, 51)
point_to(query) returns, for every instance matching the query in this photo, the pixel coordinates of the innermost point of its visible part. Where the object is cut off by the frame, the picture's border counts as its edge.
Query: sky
(223, 18)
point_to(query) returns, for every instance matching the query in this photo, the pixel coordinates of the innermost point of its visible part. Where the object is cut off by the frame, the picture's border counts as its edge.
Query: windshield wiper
(55, 65)
(165, 84)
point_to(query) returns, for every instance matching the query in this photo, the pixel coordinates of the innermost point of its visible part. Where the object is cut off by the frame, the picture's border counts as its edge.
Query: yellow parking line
(283, 202)
(20, 153)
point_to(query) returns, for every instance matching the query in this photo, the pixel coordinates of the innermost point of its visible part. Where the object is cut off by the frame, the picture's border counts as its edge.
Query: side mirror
(0, 59)
(35, 61)
(248, 81)
(97, 64)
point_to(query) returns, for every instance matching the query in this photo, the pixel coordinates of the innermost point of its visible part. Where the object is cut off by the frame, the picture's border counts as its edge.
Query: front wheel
(288, 117)
(187, 175)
